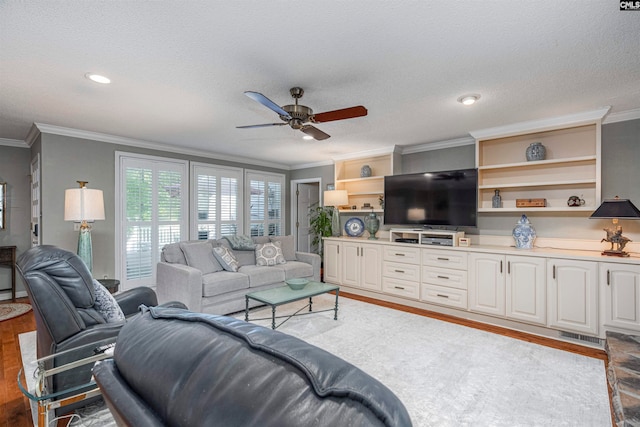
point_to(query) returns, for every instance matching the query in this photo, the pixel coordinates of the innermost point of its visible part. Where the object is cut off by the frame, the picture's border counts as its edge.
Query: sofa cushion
(226, 258)
(262, 275)
(295, 269)
(200, 255)
(172, 253)
(260, 239)
(245, 257)
(222, 282)
(287, 246)
(269, 254)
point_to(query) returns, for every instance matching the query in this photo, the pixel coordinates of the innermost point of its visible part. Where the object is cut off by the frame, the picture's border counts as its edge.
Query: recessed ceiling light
(469, 99)
(98, 78)
(307, 137)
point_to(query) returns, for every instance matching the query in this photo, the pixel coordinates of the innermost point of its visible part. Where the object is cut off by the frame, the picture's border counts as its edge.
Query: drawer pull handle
(442, 296)
(399, 271)
(399, 287)
(443, 277)
(608, 277)
(443, 259)
(399, 254)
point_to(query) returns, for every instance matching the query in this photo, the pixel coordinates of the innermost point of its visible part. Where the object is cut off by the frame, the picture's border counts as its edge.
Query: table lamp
(336, 198)
(615, 209)
(84, 205)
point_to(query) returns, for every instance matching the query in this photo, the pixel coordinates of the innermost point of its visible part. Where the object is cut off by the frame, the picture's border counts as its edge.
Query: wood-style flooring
(14, 407)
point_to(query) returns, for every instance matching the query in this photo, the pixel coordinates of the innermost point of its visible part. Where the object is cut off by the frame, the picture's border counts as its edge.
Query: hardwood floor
(14, 407)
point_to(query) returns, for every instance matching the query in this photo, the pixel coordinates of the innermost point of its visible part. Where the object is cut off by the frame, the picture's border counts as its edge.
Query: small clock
(354, 227)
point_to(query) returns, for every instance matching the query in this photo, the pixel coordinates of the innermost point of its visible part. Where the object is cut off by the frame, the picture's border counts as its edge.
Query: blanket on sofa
(240, 242)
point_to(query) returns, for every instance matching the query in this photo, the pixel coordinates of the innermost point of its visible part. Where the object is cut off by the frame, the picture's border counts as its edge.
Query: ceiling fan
(297, 116)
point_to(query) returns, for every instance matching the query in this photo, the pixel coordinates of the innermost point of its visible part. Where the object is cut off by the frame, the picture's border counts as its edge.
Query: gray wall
(15, 170)
(325, 173)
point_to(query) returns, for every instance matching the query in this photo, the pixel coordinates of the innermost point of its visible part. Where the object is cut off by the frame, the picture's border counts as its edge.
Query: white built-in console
(426, 236)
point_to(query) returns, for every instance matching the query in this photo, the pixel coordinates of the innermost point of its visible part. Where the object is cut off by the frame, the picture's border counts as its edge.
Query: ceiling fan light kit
(297, 116)
(469, 99)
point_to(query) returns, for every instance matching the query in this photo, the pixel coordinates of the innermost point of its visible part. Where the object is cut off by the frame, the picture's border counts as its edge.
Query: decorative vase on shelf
(524, 233)
(372, 225)
(496, 200)
(365, 171)
(536, 151)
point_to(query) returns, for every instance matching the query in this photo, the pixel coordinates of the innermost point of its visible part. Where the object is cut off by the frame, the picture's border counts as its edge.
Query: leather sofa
(188, 272)
(176, 367)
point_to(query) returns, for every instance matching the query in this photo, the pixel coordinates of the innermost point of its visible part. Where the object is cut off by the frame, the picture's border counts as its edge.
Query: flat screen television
(443, 198)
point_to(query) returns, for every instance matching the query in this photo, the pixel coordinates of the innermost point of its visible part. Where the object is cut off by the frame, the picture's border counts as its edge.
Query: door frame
(294, 203)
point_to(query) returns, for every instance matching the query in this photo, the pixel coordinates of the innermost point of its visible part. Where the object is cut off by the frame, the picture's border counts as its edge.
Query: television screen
(445, 198)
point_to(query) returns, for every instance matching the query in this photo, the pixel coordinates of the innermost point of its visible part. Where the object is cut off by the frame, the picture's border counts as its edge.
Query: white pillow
(106, 304)
(269, 254)
(226, 258)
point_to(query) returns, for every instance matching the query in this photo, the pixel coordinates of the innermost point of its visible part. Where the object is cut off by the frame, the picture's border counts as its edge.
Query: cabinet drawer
(445, 296)
(401, 271)
(401, 288)
(445, 277)
(408, 255)
(447, 259)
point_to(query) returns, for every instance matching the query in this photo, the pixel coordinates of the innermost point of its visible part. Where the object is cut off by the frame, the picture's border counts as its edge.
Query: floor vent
(579, 337)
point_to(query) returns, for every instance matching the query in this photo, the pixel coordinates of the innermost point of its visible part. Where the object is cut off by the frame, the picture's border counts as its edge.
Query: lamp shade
(83, 204)
(617, 208)
(336, 198)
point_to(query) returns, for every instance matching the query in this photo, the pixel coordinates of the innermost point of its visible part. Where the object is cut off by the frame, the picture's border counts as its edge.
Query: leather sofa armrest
(130, 300)
(314, 260)
(179, 282)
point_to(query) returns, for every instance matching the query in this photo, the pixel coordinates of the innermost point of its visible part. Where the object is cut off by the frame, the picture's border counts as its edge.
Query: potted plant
(320, 223)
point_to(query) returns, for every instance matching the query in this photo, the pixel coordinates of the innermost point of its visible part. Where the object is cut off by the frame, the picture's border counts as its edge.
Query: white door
(332, 262)
(351, 265)
(621, 286)
(307, 195)
(486, 283)
(525, 289)
(371, 268)
(36, 232)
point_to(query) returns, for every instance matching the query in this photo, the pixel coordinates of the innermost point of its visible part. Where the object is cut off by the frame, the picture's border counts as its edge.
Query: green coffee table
(284, 295)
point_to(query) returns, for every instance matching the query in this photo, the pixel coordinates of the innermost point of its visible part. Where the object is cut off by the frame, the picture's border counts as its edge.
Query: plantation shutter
(150, 214)
(217, 197)
(265, 202)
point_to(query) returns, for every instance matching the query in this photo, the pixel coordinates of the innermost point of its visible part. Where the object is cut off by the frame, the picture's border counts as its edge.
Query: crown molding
(13, 143)
(368, 153)
(312, 165)
(458, 142)
(576, 119)
(113, 139)
(622, 116)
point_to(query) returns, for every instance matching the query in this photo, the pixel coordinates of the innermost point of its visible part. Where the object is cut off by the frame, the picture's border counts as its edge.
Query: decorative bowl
(297, 284)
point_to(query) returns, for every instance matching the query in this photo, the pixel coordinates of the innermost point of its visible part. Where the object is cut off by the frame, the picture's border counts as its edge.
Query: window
(265, 202)
(150, 214)
(216, 201)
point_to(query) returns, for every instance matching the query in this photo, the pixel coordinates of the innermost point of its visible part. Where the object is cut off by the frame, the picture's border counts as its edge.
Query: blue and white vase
(536, 151)
(524, 233)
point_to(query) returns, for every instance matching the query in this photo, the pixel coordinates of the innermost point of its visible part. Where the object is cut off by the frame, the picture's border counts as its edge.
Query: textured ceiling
(179, 69)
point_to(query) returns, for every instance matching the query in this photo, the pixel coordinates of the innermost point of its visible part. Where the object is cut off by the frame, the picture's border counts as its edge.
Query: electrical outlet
(76, 226)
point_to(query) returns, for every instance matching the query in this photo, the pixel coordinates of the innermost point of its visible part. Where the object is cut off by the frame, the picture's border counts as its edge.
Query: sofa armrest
(179, 282)
(314, 260)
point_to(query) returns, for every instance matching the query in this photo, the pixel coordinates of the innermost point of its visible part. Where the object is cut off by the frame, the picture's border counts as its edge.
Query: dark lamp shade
(617, 208)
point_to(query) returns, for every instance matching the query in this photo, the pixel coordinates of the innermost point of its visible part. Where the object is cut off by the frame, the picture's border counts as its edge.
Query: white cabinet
(444, 278)
(332, 263)
(362, 265)
(572, 298)
(620, 285)
(487, 283)
(401, 271)
(525, 288)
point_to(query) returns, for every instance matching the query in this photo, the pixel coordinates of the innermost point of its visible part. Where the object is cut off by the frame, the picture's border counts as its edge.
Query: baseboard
(6, 295)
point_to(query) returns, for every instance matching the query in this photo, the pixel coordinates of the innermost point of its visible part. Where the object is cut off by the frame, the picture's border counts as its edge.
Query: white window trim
(247, 197)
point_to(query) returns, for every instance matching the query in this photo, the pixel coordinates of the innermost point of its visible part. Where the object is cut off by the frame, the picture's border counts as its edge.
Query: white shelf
(368, 178)
(545, 209)
(539, 162)
(536, 184)
(360, 211)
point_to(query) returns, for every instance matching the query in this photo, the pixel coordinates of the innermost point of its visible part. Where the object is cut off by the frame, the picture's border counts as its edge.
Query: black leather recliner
(61, 292)
(180, 368)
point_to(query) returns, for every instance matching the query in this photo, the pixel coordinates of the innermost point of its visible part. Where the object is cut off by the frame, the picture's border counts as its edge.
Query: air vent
(579, 337)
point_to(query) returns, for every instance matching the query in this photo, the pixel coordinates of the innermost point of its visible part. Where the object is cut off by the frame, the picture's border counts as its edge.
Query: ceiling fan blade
(345, 113)
(316, 133)
(260, 126)
(267, 103)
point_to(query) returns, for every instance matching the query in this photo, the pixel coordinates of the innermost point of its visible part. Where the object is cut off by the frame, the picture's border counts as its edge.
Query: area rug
(447, 374)
(11, 310)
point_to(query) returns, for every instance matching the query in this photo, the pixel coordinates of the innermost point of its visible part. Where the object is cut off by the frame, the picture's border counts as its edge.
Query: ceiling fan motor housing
(298, 113)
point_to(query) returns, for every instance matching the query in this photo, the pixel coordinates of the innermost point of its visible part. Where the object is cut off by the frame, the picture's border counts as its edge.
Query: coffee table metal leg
(246, 309)
(335, 317)
(310, 303)
(273, 317)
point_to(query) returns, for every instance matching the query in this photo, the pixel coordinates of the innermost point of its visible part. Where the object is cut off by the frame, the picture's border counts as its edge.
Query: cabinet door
(572, 298)
(486, 283)
(351, 264)
(526, 289)
(331, 266)
(371, 267)
(621, 291)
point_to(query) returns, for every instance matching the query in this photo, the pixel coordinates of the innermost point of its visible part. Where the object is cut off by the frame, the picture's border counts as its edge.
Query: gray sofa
(189, 272)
